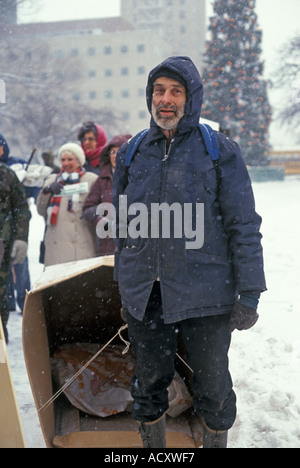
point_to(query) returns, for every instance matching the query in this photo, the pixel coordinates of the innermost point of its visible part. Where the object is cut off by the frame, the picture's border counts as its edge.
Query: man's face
(168, 102)
(1, 151)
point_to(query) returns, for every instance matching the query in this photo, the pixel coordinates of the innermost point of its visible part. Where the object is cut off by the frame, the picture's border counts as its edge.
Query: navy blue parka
(194, 282)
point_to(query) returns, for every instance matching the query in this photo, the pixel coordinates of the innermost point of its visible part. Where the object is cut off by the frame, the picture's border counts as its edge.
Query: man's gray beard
(168, 123)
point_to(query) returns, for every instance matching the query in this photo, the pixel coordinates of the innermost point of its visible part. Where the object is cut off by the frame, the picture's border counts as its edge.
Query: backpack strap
(212, 147)
(133, 145)
(210, 141)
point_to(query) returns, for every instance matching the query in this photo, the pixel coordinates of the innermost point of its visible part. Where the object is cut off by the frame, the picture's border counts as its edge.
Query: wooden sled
(89, 288)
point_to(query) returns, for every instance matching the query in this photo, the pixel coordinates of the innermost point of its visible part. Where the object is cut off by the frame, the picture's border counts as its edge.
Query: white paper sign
(83, 187)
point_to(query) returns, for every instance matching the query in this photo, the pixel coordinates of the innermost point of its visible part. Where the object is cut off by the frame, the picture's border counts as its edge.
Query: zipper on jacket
(167, 154)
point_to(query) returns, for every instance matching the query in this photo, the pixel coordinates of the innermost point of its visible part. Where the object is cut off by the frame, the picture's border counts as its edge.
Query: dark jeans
(207, 341)
(22, 284)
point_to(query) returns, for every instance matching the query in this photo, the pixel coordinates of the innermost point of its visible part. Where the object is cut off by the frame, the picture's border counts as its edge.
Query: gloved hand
(2, 250)
(242, 317)
(55, 188)
(90, 214)
(19, 252)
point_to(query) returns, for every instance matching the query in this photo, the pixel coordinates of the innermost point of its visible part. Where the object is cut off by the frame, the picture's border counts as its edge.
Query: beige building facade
(104, 63)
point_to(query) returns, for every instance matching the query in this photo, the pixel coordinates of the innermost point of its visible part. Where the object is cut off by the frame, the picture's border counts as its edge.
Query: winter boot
(214, 439)
(153, 434)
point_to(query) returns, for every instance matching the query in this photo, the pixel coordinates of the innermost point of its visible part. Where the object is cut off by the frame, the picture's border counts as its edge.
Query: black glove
(55, 188)
(90, 214)
(242, 317)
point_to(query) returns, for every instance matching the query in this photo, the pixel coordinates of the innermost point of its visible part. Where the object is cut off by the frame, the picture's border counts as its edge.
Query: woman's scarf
(93, 156)
(64, 178)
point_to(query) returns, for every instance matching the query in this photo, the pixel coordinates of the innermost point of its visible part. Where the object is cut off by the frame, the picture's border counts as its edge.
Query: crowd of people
(78, 180)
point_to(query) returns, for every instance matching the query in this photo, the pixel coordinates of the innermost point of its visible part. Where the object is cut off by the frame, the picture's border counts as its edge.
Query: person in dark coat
(14, 229)
(19, 276)
(204, 281)
(101, 191)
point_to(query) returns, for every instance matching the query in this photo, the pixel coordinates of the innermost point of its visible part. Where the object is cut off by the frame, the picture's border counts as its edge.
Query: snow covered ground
(264, 361)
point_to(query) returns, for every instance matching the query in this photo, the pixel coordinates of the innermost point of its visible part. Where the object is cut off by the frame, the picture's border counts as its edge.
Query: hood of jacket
(5, 156)
(184, 67)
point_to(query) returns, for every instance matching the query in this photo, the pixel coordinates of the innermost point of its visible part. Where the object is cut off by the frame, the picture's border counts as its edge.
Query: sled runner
(70, 315)
(11, 432)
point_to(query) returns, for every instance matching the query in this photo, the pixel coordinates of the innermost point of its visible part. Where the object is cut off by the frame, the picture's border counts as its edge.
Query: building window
(91, 51)
(92, 73)
(76, 96)
(108, 72)
(125, 93)
(142, 114)
(92, 94)
(124, 71)
(107, 50)
(141, 70)
(74, 53)
(59, 53)
(108, 94)
(125, 116)
(141, 48)
(124, 49)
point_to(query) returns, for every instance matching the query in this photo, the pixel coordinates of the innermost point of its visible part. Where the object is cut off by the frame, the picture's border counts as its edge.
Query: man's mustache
(168, 106)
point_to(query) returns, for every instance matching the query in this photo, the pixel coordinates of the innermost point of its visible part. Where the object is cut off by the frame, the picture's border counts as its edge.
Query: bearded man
(205, 293)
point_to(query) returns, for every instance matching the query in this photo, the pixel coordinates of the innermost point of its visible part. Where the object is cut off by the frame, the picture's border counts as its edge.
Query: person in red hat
(93, 139)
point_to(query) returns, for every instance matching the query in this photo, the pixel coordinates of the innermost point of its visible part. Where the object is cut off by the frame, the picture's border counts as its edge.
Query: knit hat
(116, 141)
(74, 149)
(168, 73)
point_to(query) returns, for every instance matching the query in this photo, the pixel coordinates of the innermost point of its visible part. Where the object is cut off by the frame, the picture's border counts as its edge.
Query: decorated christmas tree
(235, 94)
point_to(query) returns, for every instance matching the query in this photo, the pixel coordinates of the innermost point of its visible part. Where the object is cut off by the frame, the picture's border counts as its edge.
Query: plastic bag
(103, 389)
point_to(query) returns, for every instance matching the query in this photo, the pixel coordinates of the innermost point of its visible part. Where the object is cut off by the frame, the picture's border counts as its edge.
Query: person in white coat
(68, 237)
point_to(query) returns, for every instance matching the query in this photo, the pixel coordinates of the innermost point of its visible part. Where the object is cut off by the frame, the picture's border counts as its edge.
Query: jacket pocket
(203, 258)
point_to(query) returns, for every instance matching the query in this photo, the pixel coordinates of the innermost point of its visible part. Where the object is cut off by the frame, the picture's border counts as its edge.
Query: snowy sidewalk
(264, 361)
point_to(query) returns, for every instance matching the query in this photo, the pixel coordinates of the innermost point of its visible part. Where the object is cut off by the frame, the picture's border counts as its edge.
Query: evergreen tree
(235, 95)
